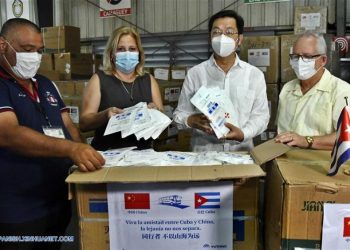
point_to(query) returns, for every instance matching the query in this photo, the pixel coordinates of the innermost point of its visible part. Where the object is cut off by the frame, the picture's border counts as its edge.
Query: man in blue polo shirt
(38, 143)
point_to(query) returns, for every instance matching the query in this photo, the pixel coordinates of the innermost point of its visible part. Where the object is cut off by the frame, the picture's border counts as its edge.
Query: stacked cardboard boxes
(62, 59)
(170, 82)
(264, 53)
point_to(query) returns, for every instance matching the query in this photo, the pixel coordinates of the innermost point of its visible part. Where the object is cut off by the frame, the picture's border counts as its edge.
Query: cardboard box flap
(297, 167)
(166, 174)
(268, 151)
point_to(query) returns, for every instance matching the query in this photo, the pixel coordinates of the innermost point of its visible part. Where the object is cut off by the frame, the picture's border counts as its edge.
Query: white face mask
(27, 64)
(223, 45)
(304, 70)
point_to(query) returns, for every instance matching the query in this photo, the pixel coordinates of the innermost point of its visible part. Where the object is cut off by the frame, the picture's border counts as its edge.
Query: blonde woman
(121, 83)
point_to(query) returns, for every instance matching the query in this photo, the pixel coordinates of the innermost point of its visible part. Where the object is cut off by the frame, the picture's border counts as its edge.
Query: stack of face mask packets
(139, 120)
(217, 106)
(149, 157)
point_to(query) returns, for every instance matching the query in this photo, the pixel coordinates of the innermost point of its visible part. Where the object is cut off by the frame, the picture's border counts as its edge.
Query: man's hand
(201, 122)
(234, 134)
(292, 139)
(86, 158)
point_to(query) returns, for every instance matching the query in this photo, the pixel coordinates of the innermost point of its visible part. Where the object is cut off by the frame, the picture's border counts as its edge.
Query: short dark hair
(14, 23)
(227, 13)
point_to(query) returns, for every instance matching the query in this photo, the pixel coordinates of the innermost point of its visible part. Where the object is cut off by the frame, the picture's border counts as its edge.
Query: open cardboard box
(90, 191)
(297, 186)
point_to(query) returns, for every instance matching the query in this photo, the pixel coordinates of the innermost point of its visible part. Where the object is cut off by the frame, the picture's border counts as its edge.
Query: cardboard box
(297, 187)
(287, 42)
(98, 62)
(80, 86)
(170, 91)
(50, 74)
(47, 62)
(92, 203)
(66, 88)
(61, 39)
(272, 97)
(310, 18)
(265, 136)
(72, 65)
(264, 53)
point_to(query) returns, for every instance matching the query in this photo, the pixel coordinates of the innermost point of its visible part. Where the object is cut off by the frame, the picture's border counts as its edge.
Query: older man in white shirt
(244, 84)
(309, 106)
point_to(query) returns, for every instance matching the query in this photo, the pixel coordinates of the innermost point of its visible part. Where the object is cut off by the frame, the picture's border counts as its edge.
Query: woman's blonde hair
(111, 47)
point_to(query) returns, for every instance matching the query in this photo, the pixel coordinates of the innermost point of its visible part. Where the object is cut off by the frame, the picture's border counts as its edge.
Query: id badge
(56, 132)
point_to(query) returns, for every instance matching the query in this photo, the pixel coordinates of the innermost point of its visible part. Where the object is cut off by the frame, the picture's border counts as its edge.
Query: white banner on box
(17, 8)
(111, 8)
(153, 216)
(336, 226)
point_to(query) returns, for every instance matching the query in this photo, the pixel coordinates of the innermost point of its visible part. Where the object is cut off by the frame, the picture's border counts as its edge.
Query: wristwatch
(309, 140)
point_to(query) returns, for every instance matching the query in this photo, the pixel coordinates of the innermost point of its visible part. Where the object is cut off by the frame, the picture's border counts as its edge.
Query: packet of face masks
(215, 104)
(139, 120)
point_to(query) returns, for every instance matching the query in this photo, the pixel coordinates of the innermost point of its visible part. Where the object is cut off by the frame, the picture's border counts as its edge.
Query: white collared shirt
(246, 87)
(316, 113)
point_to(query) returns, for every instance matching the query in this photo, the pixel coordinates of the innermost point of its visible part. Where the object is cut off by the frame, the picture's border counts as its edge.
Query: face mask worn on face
(27, 64)
(223, 45)
(304, 70)
(126, 61)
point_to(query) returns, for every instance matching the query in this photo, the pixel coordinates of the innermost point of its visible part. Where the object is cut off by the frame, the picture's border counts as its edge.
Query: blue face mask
(126, 61)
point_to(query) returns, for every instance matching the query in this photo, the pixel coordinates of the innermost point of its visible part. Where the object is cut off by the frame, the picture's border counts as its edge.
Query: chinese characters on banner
(111, 8)
(177, 216)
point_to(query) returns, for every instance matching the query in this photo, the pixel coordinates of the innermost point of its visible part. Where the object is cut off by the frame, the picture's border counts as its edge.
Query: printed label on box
(259, 57)
(310, 21)
(178, 74)
(162, 74)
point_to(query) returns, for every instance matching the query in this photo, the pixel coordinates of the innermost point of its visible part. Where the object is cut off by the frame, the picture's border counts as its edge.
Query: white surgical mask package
(223, 45)
(217, 106)
(149, 157)
(139, 120)
(27, 64)
(303, 70)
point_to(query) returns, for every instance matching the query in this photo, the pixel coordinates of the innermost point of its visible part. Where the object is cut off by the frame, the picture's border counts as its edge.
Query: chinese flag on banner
(136, 200)
(346, 231)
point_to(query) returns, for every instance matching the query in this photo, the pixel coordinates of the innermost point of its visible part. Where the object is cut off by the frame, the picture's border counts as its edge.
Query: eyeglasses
(218, 32)
(305, 58)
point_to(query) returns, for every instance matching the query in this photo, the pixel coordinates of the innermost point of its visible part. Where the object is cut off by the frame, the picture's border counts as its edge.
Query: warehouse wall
(178, 15)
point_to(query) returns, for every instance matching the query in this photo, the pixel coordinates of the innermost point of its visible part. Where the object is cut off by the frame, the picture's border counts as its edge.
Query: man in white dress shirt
(244, 84)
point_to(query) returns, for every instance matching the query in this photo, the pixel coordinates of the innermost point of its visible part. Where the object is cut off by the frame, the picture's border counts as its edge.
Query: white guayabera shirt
(244, 84)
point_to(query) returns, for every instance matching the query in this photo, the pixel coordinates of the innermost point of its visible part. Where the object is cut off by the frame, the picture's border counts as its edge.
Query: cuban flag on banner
(336, 226)
(207, 200)
(341, 149)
